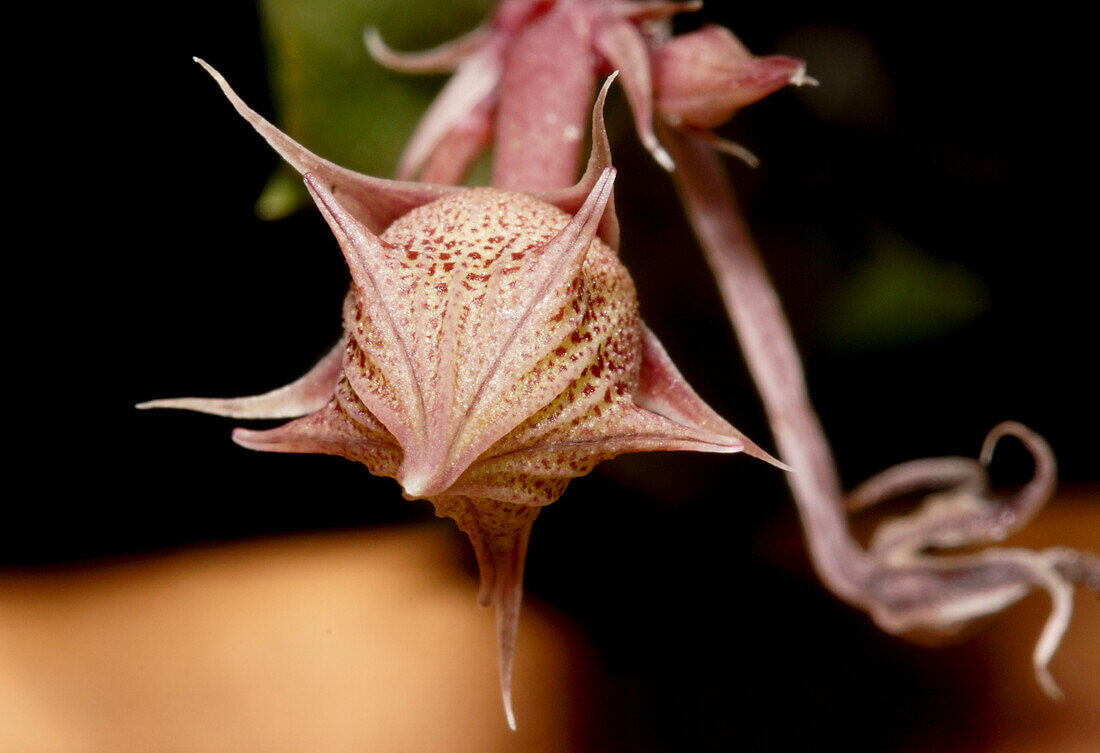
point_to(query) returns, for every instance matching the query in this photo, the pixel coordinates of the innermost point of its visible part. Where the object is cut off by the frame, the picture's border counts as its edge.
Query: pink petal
(460, 147)
(329, 431)
(375, 274)
(569, 200)
(702, 78)
(623, 46)
(584, 427)
(664, 391)
(473, 86)
(375, 202)
(305, 395)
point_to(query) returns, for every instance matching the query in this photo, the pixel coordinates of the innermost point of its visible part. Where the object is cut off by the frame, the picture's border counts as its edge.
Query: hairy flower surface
(492, 351)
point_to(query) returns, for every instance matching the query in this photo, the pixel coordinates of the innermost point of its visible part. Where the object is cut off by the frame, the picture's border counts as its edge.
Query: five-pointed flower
(492, 351)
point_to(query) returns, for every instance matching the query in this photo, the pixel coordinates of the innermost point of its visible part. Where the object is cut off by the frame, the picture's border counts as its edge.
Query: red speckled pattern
(492, 351)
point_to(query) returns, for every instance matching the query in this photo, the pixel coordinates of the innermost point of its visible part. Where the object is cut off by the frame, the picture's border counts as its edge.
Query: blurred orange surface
(371, 641)
(365, 641)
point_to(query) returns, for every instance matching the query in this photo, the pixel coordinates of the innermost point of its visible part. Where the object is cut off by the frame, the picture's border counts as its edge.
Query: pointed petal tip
(338, 218)
(661, 156)
(372, 38)
(267, 440)
(756, 452)
(445, 57)
(508, 713)
(210, 406)
(799, 77)
(175, 403)
(248, 438)
(209, 69)
(1047, 682)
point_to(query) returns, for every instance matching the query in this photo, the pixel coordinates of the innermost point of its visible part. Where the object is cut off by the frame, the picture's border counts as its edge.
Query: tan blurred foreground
(370, 641)
(1023, 719)
(365, 641)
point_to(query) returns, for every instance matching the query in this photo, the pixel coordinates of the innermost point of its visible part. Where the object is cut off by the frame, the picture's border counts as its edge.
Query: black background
(141, 272)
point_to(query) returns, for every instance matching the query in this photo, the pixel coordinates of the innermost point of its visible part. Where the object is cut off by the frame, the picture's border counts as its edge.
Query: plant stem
(769, 349)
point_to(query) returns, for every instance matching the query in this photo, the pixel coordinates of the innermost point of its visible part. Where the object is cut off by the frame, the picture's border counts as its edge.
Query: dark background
(149, 276)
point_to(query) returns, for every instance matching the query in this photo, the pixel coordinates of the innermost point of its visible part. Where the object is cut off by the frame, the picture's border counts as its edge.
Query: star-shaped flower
(492, 351)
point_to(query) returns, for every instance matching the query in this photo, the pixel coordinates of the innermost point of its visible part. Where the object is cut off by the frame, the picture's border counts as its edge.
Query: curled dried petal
(445, 57)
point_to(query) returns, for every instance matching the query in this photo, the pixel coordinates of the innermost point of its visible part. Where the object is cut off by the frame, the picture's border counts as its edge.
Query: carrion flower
(492, 351)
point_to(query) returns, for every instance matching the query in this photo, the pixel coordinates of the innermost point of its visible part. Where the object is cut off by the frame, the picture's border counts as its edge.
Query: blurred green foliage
(901, 295)
(333, 98)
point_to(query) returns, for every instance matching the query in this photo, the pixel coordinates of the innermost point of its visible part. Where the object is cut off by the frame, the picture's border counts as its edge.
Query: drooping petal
(914, 586)
(569, 200)
(374, 202)
(1028, 501)
(944, 594)
(965, 513)
(307, 394)
(923, 475)
(500, 539)
(473, 85)
(625, 49)
(725, 146)
(543, 106)
(445, 57)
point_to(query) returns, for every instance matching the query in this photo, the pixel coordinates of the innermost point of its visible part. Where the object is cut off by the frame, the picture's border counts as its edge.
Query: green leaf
(333, 98)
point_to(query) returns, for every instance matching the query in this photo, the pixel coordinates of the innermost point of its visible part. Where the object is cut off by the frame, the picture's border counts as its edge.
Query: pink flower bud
(701, 79)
